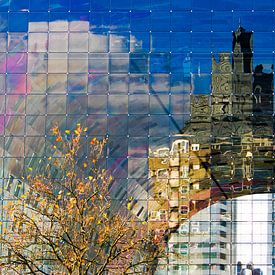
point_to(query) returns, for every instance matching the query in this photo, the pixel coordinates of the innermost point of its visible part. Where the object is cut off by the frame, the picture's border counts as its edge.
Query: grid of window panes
(126, 69)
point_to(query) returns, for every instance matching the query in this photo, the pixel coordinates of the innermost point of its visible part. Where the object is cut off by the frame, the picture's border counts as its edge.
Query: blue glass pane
(159, 103)
(59, 16)
(3, 22)
(117, 147)
(138, 63)
(221, 42)
(263, 42)
(4, 5)
(266, 60)
(180, 42)
(59, 5)
(257, 21)
(201, 21)
(140, 20)
(18, 22)
(160, 41)
(141, 5)
(80, 5)
(138, 103)
(21, 5)
(39, 5)
(100, 5)
(233, 5)
(160, 21)
(245, 18)
(201, 84)
(141, 125)
(226, 5)
(79, 16)
(120, 21)
(121, 4)
(159, 125)
(181, 21)
(201, 42)
(160, 63)
(263, 5)
(200, 63)
(181, 5)
(181, 83)
(100, 21)
(118, 125)
(222, 21)
(178, 64)
(160, 5)
(202, 5)
(119, 63)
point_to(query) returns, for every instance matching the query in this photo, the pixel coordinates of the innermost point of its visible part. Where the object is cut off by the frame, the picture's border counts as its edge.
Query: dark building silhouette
(236, 120)
(262, 102)
(242, 51)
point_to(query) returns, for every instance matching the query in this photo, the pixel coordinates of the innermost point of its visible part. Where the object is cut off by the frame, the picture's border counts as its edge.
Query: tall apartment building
(254, 232)
(205, 244)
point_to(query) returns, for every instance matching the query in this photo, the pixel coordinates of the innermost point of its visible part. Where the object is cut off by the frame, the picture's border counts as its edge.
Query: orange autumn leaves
(74, 137)
(65, 217)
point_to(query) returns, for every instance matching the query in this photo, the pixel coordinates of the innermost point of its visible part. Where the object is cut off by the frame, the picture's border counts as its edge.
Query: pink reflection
(3, 63)
(16, 83)
(17, 63)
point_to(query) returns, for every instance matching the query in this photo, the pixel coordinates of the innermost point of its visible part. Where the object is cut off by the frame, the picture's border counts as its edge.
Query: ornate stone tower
(221, 97)
(241, 101)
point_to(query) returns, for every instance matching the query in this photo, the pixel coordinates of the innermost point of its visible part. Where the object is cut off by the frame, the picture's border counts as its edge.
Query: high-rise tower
(242, 48)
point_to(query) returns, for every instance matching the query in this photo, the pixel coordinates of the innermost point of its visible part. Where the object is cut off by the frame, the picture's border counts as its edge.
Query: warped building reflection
(225, 150)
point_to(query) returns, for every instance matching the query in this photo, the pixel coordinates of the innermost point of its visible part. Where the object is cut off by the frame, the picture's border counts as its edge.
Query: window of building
(195, 147)
(223, 234)
(184, 209)
(196, 166)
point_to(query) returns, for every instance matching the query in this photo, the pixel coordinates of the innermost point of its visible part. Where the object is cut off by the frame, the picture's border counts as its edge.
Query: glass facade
(183, 89)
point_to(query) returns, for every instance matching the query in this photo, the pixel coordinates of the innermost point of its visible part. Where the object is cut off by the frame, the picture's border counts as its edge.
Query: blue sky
(170, 31)
(178, 35)
(81, 5)
(169, 21)
(221, 19)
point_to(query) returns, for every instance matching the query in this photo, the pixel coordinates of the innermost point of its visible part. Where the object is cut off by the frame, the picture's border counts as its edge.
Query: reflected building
(221, 152)
(225, 151)
(202, 242)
